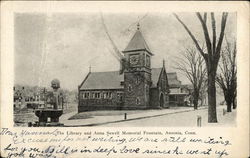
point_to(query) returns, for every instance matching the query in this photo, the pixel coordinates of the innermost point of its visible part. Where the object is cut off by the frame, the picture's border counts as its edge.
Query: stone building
(138, 87)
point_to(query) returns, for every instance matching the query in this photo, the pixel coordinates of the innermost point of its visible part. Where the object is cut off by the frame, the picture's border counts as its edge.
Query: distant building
(19, 94)
(24, 96)
(138, 87)
(178, 92)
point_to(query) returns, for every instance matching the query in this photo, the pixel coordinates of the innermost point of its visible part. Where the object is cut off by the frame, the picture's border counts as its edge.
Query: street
(173, 117)
(183, 119)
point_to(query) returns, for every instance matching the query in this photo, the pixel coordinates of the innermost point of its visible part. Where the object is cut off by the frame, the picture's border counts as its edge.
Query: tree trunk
(212, 116)
(234, 105)
(195, 104)
(234, 102)
(229, 105)
(228, 99)
(196, 97)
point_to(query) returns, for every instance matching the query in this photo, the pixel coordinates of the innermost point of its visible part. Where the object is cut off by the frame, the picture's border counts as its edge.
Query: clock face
(134, 59)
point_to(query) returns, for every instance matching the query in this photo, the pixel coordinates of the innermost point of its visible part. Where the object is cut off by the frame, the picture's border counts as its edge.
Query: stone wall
(154, 98)
(101, 103)
(136, 90)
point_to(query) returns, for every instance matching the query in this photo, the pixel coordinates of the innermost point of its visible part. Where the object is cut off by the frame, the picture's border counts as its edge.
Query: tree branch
(214, 31)
(206, 34)
(192, 36)
(205, 18)
(223, 25)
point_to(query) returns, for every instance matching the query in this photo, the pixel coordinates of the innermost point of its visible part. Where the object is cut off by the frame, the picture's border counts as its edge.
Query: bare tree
(116, 53)
(192, 65)
(235, 98)
(211, 57)
(203, 92)
(228, 74)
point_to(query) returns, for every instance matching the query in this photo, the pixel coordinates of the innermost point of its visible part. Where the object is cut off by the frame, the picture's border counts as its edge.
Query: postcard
(124, 79)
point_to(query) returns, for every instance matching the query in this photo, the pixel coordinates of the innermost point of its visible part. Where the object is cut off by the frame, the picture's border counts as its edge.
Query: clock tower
(137, 76)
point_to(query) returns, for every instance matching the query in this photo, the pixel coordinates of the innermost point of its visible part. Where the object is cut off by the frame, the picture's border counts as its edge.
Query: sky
(64, 45)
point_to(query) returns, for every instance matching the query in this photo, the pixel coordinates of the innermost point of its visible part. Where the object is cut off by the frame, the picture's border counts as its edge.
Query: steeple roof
(137, 43)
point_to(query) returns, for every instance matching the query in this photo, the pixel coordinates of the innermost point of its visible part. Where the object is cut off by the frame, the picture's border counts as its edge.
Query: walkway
(102, 120)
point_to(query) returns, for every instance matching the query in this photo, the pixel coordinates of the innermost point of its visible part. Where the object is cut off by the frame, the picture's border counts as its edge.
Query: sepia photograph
(144, 69)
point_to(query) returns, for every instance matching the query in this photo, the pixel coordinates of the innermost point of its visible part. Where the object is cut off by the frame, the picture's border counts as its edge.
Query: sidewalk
(182, 119)
(101, 120)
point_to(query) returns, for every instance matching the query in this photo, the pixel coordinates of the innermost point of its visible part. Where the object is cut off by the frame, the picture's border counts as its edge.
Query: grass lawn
(70, 107)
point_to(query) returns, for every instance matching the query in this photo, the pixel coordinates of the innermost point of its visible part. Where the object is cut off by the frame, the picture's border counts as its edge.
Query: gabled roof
(173, 80)
(155, 72)
(137, 43)
(103, 80)
(113, 79)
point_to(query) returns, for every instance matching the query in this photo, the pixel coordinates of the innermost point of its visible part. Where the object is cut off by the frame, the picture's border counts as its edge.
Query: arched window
(129, 88)
(147, 89)
(137, 80)
(110, 95)
(137, 100)
(86, 95)
(97, 95)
